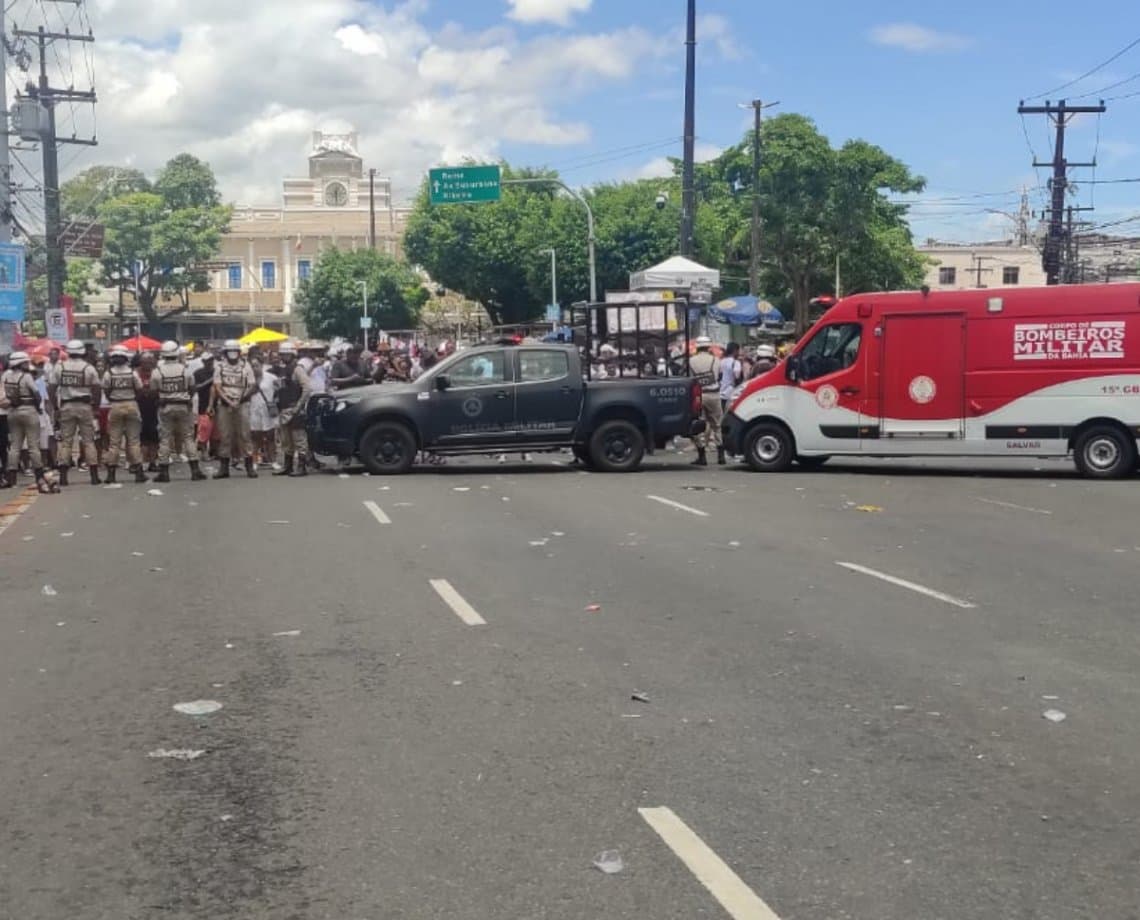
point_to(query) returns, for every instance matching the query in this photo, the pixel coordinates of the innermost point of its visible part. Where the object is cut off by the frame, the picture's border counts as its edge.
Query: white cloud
(662, 167)
(556, 11)
(917, 39)
(244, 84)
(356, 40)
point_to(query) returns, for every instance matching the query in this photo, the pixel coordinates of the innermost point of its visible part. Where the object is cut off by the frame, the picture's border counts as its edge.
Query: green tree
(817, 203)
(81, 195)
(331, 301)
(167, 233)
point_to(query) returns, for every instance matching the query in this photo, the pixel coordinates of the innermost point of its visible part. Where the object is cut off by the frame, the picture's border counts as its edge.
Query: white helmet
(76, 348)
(170, 350)
(232, 345)
(704, 342)
(117, 351)
(287, 348)
(765, 351)
(17, 358)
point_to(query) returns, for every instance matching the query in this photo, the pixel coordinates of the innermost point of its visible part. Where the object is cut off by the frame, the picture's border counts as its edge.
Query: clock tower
(337, 180)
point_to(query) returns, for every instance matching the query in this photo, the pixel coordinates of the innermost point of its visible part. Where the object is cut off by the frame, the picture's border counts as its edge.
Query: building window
(1010, 274)
(233, 276)
(304, 269)
(947, 275)
(268, 275)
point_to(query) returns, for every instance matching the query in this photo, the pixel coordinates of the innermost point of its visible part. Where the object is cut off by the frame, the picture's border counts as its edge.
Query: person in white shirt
(731, 374)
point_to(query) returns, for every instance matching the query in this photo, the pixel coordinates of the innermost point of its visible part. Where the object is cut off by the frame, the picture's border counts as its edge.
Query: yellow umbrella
(262, 336)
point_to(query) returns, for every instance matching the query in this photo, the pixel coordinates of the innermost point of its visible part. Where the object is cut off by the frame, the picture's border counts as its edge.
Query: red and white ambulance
(1031, 372)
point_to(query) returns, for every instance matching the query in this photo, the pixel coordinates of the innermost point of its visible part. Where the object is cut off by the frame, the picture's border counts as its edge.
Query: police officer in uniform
(122, 386)
(292, 402)
(78, 394)
(705, 367)
(24, 403)
(234, 385)
(174, 385)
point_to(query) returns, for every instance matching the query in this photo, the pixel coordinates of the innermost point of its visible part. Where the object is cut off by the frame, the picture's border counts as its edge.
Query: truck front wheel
(388, 449)
(617, 447)
(769, 449)
(1105, 452)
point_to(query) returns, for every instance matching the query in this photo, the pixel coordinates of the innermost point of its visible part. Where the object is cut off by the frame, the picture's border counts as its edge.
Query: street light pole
(688, 184)
(553, 273)
(590, 237)
(364, 312)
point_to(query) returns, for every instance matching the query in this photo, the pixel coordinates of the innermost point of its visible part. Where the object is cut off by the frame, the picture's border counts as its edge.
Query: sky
(594, 88)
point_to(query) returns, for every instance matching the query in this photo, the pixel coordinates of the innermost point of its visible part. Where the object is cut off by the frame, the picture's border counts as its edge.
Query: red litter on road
(594, 608)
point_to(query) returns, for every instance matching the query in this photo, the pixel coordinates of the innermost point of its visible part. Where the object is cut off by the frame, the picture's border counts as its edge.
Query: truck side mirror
(792, 368)
(442, 382)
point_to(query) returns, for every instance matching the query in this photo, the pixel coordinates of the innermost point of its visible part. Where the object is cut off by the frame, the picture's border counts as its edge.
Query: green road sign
(465, 184)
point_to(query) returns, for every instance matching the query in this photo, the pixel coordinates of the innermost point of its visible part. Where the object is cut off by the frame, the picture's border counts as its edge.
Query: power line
(1104, 89)
(1132, 44)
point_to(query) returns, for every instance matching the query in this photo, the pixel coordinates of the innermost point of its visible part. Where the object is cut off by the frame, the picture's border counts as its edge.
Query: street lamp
(553, 273)
(364, 312)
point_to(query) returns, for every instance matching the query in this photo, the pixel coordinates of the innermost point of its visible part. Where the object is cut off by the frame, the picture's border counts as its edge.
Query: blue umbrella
(746, 311)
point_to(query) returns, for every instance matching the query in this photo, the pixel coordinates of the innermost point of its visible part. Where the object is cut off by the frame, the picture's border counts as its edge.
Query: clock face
(336, 195)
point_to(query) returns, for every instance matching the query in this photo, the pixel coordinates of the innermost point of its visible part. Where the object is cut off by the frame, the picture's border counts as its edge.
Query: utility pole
(48, 97)
(688, 179)
(754, 265)
(372, 209)
(364, 313)
(5, 155)
(1060, 114)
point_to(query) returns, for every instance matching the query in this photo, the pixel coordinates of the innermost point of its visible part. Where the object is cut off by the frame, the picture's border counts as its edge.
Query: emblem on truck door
(827, 397)
(922, 390)
(472, 407)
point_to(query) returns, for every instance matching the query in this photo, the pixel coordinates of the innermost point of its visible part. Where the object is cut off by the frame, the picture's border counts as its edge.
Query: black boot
(42, 483)
(94, 471)
(223, 469)
(196, 474)
(62, 469)
(5, 483)
(286, 468)
(720, 459)
(302, 467)
(112, 472)
(152, 467)
(250, 469)
(163, 473)
(140, 476)
(702, 458)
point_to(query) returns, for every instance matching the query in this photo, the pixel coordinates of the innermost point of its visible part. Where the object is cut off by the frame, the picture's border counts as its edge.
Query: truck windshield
(832, 348)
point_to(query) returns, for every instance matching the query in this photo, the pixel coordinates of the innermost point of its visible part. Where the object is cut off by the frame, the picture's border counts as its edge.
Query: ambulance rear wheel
(1105, 452)
(769, 449)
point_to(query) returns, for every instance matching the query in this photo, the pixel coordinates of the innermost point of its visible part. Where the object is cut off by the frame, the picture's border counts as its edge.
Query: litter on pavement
(593, 608)
(198, 707)
(609, 861)
(155, 492)
(287, 633)
(869, 509)
(1054, 715)
(638, 697)
(183, 754)
(49, 591)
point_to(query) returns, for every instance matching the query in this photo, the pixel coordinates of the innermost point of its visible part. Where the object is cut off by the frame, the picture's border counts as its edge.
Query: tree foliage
(331, 301)
(818, 203)
(167, 231)
(81, 195)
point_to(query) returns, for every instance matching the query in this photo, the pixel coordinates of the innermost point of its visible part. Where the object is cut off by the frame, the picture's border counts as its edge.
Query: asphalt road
(845, 672)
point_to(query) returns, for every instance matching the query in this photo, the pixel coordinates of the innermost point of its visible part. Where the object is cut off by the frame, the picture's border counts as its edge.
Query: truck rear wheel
(769, 449)
(388, 449)
(1105, 452)
(617, 447)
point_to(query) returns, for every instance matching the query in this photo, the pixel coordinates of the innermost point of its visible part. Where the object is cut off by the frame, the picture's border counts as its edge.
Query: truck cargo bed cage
(646, 338)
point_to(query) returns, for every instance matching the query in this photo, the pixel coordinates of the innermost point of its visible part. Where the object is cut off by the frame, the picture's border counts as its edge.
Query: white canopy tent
(677, 273)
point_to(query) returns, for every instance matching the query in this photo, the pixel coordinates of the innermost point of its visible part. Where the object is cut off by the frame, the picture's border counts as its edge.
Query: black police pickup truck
(498, 399)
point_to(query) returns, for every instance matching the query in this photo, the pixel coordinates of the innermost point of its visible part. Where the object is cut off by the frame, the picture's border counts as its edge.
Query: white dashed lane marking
(909, 585)
(377, 512)
(1010, 505)
(739, 901)
(455, 601)
(672, 504)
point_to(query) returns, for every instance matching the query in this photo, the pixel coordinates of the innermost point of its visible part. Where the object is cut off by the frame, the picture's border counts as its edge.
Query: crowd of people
(241, 407)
